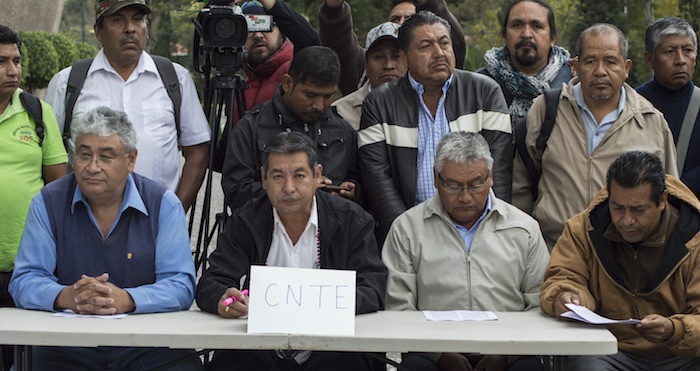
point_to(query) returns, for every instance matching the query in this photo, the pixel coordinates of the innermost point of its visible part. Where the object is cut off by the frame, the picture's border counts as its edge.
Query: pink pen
(230, 300)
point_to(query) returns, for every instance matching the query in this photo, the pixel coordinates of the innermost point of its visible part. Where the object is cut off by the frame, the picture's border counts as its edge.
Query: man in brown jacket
(634, 253)
(599, 117)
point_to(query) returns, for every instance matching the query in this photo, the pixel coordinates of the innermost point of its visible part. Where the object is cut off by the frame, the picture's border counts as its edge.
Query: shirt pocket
(158, 119)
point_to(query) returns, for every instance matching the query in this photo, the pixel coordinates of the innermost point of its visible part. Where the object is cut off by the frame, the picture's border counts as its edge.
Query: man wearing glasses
(104, 240)
(464, 249)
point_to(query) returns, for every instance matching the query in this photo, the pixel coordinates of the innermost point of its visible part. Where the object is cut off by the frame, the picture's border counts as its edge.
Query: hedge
(44, 54)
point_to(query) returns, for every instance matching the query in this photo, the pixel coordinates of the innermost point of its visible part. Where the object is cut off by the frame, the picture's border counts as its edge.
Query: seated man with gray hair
(449, 252)
(104, 240)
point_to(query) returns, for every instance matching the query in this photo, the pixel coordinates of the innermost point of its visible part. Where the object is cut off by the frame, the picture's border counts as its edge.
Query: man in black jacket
(403, 120)
(301, 103)
(293, 225)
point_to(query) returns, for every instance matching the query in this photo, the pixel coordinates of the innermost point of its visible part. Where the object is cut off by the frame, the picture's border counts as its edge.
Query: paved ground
(217, 202)
(217, 206)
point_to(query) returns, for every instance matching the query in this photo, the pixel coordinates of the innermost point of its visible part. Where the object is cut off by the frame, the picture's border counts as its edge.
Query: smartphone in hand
(333, 188)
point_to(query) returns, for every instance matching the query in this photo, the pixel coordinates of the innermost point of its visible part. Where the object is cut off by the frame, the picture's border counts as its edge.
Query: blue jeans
(111, 358)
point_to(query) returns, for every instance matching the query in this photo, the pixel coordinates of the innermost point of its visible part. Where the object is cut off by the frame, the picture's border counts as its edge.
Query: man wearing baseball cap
(124, 77)
(106, 7)
(382, 64)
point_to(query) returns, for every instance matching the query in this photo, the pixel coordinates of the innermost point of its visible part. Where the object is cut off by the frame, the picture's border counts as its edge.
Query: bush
(66, 49)
(44, 54)
(85, 50)
(41, 61)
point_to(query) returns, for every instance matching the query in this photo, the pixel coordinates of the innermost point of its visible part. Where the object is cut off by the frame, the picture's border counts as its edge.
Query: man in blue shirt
(104, 241)
(403, 120)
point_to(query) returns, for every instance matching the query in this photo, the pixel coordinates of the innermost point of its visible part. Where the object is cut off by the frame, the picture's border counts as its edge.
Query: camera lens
(225, 28)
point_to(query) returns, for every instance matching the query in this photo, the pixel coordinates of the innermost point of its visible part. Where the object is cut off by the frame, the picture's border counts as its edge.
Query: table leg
(560, 363)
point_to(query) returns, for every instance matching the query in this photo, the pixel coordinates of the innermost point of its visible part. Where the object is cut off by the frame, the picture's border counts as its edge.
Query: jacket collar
(635, 108)
(678, 244)
(287, 117)
(258, 216)
(434, 207)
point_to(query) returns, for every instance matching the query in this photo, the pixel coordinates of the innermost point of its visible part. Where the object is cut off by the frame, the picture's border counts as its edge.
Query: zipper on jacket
(636, 305)
(469, 279)
(306, 127)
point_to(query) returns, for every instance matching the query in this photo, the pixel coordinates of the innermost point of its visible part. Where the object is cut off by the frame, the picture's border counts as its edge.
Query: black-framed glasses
(456, 189)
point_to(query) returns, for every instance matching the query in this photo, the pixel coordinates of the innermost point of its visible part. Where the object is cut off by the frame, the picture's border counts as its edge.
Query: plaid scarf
(523, 88)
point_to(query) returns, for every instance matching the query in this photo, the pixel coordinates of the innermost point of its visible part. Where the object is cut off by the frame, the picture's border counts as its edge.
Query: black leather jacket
(347, 242)
(336, 148)
(389, 139)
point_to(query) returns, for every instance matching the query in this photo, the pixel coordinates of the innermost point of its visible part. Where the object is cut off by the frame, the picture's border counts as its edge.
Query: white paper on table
(459, 315)
(586, 315)
(71, 314)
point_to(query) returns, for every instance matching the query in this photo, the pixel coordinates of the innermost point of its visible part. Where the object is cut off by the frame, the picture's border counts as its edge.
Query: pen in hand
(231, 299)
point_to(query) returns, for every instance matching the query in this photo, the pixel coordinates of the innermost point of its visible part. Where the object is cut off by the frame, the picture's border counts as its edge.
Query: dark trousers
(7, 355)
(112, 358)
(417, 362)
(256, 360)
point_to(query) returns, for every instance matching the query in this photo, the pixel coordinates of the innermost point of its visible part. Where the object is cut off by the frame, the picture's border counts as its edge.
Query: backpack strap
(33, 106)
(551, 100)
(76, 79)
(172, 85)
(519, 134)
(79, 71)
(691, 114)
(551, 97)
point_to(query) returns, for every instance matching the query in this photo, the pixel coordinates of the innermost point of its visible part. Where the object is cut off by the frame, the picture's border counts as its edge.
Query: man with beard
(530, 61)
(671, 51)
(271, 53)
(599, 117)
(404, 119)
(269, 57)
(301, 103)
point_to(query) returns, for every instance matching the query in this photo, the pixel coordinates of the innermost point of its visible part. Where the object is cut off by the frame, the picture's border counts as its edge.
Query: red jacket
(261, 82)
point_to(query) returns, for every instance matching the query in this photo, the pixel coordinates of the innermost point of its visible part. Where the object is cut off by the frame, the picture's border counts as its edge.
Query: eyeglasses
(103, 161)
(455, 189)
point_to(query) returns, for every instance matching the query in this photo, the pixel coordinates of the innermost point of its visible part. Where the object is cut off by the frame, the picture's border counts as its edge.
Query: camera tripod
(221, 93)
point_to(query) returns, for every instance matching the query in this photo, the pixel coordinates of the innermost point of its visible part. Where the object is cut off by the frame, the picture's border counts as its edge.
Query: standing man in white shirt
(124, 77)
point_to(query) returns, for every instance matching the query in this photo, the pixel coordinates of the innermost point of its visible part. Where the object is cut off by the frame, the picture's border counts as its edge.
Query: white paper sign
(301, 301)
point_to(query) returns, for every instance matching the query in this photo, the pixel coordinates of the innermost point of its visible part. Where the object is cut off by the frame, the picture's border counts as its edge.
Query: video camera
(223, 28)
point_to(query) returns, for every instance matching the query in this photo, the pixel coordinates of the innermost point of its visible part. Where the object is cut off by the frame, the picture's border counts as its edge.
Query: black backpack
(33, 106)
(79, 72)
(551, 99)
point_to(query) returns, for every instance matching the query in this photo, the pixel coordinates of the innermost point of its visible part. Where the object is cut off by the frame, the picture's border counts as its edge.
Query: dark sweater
(673, 104)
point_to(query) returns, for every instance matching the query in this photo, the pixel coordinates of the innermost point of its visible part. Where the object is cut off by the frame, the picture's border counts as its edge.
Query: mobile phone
(333, 188)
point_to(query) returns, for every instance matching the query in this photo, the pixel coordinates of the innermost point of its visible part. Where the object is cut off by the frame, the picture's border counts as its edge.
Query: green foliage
(26, 61)
(66, 49)
(77, 21)
(690, 10)
(170, 23)
(43, 55)
(85, 50)
(42, 61)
